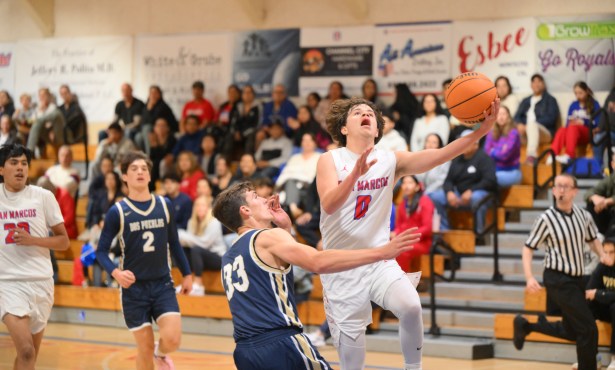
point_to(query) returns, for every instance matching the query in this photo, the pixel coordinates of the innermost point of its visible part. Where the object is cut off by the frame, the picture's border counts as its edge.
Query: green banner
(576, 31)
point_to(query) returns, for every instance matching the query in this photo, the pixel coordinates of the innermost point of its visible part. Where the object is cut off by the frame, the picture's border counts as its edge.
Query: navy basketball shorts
(278, 350)
(148, 300)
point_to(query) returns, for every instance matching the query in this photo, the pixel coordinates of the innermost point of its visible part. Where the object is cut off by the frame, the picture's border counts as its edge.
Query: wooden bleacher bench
(79, 152)
(38, 167)
(74, 250)
(462, 241)
(211, 280)
(82, 206)
(464, 220)
(517, 196)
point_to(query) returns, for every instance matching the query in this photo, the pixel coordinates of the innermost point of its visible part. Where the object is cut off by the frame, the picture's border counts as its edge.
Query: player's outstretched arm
(282, 246)
(410, 163)
(58, 242)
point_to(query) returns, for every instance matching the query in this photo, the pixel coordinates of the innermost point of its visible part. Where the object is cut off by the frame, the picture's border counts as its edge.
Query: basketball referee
(563, 229)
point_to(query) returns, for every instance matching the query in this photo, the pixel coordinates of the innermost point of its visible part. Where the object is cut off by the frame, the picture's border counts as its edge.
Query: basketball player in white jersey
(355, 184)
(27, 213)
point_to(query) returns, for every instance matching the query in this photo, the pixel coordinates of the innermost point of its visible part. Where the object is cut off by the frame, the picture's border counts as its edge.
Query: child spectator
(503, 145)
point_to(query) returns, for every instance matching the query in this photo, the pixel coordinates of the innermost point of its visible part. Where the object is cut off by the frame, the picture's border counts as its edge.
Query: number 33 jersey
(35, 210)
(364, 219)
(261, 297)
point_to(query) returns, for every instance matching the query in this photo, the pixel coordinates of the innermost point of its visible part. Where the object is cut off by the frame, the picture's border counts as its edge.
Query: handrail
(441, 245)
(492, 197)
(543, 186)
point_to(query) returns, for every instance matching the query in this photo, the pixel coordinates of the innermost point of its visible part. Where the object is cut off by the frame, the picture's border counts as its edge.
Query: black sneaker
(520, 331)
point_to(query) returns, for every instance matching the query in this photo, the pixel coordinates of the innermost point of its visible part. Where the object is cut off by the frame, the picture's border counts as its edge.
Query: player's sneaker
(197, 290)
(163, 363)
(317, 339)
(611, 365)
(575, 366)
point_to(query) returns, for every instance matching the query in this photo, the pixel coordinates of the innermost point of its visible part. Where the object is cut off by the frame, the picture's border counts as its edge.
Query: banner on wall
(496, 48)
(571, 49)
(175, 62)
(7, 68)
(335, 54)
(417, 54)
(265, 58)
(93, 67)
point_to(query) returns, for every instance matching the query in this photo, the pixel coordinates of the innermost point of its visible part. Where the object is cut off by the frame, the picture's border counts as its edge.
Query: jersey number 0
(360, 209)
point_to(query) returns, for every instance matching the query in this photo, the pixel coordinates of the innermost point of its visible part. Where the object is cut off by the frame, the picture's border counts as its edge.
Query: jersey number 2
(10, 237)
(149, 240)
(360, 209)
(243, 283)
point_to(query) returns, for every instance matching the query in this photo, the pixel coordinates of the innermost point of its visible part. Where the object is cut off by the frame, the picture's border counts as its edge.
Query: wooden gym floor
(81, 347)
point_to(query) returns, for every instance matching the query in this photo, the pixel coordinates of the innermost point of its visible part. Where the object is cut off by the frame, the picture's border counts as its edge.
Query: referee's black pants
(578, 323)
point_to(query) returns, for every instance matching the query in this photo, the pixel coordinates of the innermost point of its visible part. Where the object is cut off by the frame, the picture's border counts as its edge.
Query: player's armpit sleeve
(109, 231)
(176, 248)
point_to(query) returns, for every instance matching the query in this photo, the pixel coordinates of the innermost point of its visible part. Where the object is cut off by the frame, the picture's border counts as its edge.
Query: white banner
(7, 69)
(497, 48)
(417, 54)
(343, 54)
(94, 68)
(175, 62)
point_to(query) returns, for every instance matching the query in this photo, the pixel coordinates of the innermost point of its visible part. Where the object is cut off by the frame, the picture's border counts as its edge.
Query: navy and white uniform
(147, 235)
(267, 330)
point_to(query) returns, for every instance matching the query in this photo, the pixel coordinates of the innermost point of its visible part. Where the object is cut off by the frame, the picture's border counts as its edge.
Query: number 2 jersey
(36, 210)
(261, 297)
(363, 220)
(146, 234)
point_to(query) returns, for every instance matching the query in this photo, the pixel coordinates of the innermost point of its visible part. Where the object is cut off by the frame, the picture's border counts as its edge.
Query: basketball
(468, 96)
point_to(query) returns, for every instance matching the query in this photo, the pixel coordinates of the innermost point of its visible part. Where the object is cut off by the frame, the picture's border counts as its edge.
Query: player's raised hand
(402, 242)
(124, 277)
(187, 284)
(490, 117)
(362, 165)
(280, 218)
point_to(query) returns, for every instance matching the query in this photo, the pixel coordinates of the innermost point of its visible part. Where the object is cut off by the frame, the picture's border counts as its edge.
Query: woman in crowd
(432, 120)
(336, 91)
(505, 93)
(228, 110)
(503, 144)
(244, 131)
(6, 103)
(155, 108)
(209, 154)
(8, 133)
(190, 173)
(205, 189)
(223, 176)
(369, 89)
(433, 179)
(312, 100)
(162, 142)
(102, 199)
(305, 123)
(24, 117)
(404, 110)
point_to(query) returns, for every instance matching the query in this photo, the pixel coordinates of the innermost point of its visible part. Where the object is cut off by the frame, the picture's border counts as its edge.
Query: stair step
(514, 251)
(487, 276)
(515, 227)
(467, 348)
(480, 291)
(508, 239)
(543, 203)
(507, 266)
(472, 303)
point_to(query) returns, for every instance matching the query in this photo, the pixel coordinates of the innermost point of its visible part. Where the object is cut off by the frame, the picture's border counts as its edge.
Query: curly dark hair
(338, 114)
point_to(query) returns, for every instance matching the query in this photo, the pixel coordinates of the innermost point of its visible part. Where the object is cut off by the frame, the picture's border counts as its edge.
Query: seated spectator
(67, 208)
(223, 177)
(102, 199)
(24, 117)
(208, 156)
(191, 139)
(162, 143)
(75, 123)
(62, 175)
(405, 110)
(97, 183)
(431, 120)
(155, 108)
(505, 93)
(600, 203)
(263, 187)
(305, 123)
(433, 179)
(227, 113)
(48, 126)
(369, 89)
(415, 210)
(600, 131)
(445, 84)
(600, 292)
(391, 138)
(204, 239)
(298, 174)
(503, 145)
(312, 100)
(205, 189)
(182, 204)
(116, 145)
(128, 112)
(307, 223)
(537, 118)
(8, 133)
(279, 109)
(578, 124)
(189, 172)
(242, 131)
(6, 104)
(470, 178)
(336, 91)
(247, 170)
(198, 106)
(273, 151)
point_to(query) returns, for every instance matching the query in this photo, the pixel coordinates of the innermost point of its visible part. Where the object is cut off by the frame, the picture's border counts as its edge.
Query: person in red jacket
(415, 210)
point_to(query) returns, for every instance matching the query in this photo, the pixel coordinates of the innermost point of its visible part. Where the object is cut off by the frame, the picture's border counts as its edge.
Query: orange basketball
(468, 96)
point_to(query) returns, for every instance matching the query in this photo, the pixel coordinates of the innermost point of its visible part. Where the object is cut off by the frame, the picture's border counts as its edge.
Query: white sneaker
(317, 339)
(611, 365)
(549, 160)
(197, 290)
(563, 159)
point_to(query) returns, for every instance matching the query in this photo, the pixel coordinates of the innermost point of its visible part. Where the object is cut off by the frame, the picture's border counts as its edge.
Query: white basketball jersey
(364, 219)
(34, 209)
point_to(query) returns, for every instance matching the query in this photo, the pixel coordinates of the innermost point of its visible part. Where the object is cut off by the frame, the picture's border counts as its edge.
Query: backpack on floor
(585, 168)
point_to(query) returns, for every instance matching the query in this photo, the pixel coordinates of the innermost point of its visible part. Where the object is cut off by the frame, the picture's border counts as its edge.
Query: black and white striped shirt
(564, 235)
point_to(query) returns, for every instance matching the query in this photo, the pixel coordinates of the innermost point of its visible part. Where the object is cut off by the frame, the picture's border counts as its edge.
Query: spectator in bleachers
(242, 132)
(600, 292)
(312, 100)
(182, 204)
(503, 145)
(62, 175)
(470, 178)
(391, 138)
(198, 106)
(189, 172)
(162, 142)
(115, 146)
(263, 187)
(415, 210)
(405, 110)
(204, 188)
(208, 155)
(101, 199)
(247, 170)
(434, 179)
(128, 112)
(227, 113)
(431, 120)
(48, 126)
(191, 139)
(298, 173)
(24, 117)
(280, 108)
(578, 124)
(273, 151)
(336, 91)
(537, 118)
(155, 108)
(204, 239)
(369, 89)
(67, 207)
(307, 223)
(600, 131)
(445, 85)
(223, 177)
(75, 123)
(8, 132)
(6, 103)
(505, 93)
(601, 202)
(305, 123)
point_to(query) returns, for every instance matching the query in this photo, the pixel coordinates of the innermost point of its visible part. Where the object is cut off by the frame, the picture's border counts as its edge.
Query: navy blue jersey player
(257, 278)
(146, 232)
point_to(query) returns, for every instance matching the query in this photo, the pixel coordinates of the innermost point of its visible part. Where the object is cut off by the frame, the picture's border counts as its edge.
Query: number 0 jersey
(363, 219)
(261, 297)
